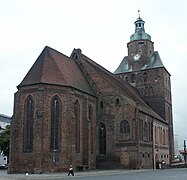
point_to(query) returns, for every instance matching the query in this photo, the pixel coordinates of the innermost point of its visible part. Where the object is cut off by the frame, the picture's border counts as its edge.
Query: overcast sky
(102, 29)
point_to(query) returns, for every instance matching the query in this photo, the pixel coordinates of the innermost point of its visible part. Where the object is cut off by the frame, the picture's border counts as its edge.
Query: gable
(53, 67)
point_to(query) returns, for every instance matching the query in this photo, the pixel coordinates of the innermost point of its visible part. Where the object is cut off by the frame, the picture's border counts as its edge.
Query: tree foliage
(5, 141)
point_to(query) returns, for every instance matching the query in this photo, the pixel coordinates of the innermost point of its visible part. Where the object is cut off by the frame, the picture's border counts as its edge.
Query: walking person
(70, 170)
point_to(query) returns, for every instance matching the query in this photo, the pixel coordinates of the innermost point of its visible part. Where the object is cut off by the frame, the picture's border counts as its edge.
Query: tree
(5, 141)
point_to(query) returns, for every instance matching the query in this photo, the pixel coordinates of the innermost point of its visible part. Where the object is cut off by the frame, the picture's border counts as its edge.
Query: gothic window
(107, 109)
(124, 127)
(55, 123)
(164, 137)
(102, 139)
(101, 104)
(150, 132)
(90, 116)
(156, 135)
(160, 135)
(141, 129)
(28, 126)
(145, 78)
(132, 78)
(77, 126)
(146, 132)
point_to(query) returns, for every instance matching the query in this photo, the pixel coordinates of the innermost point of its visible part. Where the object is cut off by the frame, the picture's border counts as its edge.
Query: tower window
(141, 44)
(157, 78)
(145, 78)
(117, 101)
(132, 78)
(101, 104)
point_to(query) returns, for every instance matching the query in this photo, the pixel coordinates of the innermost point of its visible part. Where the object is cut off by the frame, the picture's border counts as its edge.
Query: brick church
(71, 110)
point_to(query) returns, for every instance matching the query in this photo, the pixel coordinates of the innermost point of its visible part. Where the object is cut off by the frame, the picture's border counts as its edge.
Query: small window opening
(101, 104)
(117, 101)
(132, 78)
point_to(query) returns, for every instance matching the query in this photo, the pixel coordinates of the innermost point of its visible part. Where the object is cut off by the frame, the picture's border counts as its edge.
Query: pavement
(48, 176)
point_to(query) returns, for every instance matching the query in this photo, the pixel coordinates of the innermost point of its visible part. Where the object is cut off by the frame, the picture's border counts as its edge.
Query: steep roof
(129, 91)
(55, 68)
(154, 62)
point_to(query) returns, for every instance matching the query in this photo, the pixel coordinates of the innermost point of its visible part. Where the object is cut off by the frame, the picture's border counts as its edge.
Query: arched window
(146, 131)
(101, 104)
(156, 135)
(141, 129)
(124, 127)
(132, 78)
(55, 123)
(145, 78)
(28, 126)
(164, 136)
(77, 125)
(102, 139)
(90, 116)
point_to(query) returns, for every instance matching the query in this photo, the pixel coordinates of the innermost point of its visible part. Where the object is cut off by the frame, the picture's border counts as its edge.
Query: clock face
(136, 57)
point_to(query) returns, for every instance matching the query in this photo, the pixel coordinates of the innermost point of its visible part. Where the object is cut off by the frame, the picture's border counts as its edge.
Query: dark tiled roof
(154, 62)
(127, 90)
(53, 67)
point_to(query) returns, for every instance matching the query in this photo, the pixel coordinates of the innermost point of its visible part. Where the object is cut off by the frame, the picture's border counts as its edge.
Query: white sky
(102, 29)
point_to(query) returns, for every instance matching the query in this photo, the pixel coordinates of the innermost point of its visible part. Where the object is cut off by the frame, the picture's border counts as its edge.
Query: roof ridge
(131, 90)
(51, 55)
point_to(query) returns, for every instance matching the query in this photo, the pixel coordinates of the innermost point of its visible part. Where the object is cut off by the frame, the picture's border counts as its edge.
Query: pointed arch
(146, 132)
(77, 125)
(133, 79)
(28, 123)
(156, 135)
(90, 117)
(102, 139)
(124, 127)
(164, 136)
(145, 77)
(56, 109)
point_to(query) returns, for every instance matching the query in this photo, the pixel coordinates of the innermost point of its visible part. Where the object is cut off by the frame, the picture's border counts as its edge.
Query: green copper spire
(140, 33)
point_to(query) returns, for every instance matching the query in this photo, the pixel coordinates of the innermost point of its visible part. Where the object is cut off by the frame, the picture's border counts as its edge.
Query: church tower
(143, 69)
